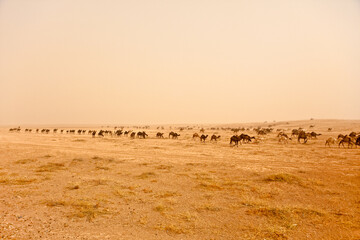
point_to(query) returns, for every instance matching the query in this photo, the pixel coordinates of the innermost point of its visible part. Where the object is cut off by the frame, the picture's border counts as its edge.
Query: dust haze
(87, 62)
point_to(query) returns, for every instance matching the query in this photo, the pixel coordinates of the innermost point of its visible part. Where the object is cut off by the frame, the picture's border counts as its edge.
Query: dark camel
(160, 135)
(347, 140)
(214, 137)
(203, 137)
(302, 135)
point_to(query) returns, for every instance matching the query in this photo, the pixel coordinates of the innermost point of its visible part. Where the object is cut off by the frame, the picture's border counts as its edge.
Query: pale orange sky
(153, 62)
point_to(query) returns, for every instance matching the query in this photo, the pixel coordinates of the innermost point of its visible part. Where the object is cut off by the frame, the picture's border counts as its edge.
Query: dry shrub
(282, 177)
(47, 156)
(210, 186)
(17, 181)
(269, 212)
(79, 140)
(101, 168)
(171, 228)
(122, 193)
(208, 207)
(161, 208)
(164, 167)
(97, 182)
(25, 161)
(146, 175)
(167, 194)
(73, 187)
(96, 158)
(52, 203)
(51, 167)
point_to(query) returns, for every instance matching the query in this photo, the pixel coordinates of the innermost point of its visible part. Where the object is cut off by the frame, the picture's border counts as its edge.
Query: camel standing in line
(330, 141)
(214, 137)
(235, 139)
(160, 135)
(347, 140)
(195, 135)
(174, 135)
(203, 137)
(302, 135)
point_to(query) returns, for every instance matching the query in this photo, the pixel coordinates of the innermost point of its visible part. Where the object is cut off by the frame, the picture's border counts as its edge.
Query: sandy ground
(61, 186)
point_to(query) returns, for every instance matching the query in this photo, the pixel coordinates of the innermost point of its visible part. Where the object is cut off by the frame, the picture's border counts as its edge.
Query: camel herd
(350, 140)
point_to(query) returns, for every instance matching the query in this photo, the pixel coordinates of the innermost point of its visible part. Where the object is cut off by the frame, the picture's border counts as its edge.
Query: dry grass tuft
(101, 168)
(96, 158)
(146, 175)
(210, 186)
(161, 208)
(208, 207)
(51, 167)
(25, 161)
(270, 212)
(79, 140)
(282, 177)
(47, 156)
(73, 187)
(164, 167)
(84, 209)
(98, 182)
(17, 181)
(171, 228)
(52, 203)
(167, 194)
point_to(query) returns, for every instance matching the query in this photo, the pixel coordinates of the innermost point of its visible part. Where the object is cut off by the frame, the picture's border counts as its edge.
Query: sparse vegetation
(51, 167)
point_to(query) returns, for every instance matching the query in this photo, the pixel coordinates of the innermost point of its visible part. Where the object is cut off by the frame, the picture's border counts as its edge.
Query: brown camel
(235, 139)
(302, 135)
(141, 134)
(347, 140)
(132, 135)
(214, 137)
(330, 141)
(174, 135)
(203, 137)
(160, 135)
(314, 135)
(195, 135)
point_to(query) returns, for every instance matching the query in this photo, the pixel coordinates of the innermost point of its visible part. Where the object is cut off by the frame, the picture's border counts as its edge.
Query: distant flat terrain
(71, 186)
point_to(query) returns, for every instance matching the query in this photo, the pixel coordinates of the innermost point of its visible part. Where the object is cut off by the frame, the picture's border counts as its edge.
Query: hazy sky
(186, 61)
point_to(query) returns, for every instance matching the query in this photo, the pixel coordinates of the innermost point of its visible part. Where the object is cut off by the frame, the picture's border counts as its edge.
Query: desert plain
(71, 186)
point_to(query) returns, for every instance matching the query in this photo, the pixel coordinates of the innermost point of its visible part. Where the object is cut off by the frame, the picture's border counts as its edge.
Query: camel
(236, 139)
(214, 137)
(352, 134)
(202, 130)
(160, 135)
(101, 133)
(174, 135)
(330, 141)
(203, 137)
(347, 140)
(283, 139)
(329, 129)
(132, 135)
(302, 135)
(295, 132)
(282, 134)
(118, 132)
(340, 136)
(93, 133)
(195, 135)
(314, 135)
(141, 134)
(357, 141)
(127, 132)
(246, 138)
